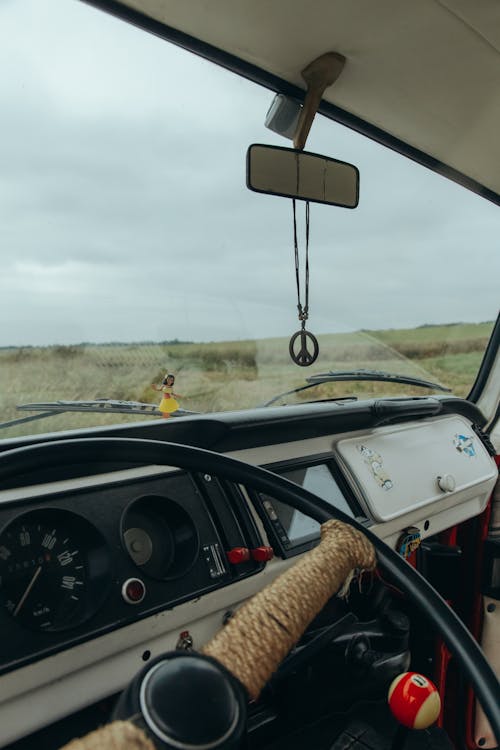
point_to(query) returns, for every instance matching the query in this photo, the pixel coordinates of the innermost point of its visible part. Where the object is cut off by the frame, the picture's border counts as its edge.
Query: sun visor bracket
(318, 75)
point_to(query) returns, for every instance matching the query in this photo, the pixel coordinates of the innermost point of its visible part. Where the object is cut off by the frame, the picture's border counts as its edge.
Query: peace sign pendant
(302, 355)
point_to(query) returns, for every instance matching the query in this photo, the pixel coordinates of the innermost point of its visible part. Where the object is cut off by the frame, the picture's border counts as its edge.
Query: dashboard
(105, 565)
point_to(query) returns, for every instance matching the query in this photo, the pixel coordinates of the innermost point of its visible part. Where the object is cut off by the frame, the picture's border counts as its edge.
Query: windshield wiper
(108, 405)
(381, 375)
(375, 375)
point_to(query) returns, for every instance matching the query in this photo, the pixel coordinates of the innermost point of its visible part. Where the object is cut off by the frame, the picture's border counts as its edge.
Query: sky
(124, 214)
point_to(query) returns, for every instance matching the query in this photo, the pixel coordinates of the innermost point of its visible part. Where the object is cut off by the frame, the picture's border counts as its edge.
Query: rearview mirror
(299, 174)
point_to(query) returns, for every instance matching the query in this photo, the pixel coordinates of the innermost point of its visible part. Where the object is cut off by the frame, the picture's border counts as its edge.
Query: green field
(229, 375)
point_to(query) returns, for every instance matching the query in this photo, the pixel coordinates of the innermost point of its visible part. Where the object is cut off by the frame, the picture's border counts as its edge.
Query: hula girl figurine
(169, 402)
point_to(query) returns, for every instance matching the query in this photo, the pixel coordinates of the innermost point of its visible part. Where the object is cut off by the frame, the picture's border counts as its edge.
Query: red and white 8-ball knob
(414, 700)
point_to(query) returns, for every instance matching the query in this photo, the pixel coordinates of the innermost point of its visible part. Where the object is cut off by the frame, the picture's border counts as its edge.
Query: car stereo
(290, 530)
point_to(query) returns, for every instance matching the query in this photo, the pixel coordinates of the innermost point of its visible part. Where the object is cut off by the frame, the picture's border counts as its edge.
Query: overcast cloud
(124, 213)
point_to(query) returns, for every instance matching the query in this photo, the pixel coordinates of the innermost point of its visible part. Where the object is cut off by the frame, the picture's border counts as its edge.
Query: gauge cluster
(82, 563)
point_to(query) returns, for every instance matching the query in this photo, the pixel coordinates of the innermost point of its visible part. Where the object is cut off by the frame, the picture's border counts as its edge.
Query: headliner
(422, 77)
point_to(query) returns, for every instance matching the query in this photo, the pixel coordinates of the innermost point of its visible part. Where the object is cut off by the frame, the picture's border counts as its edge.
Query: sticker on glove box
(375, 463)
(464, 444)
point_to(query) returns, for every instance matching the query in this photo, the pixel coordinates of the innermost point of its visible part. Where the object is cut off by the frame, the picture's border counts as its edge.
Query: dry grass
(229, 375)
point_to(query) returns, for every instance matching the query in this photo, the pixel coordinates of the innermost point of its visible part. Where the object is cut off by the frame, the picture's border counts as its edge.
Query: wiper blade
(376, 375)
(98, 405)
(113, 406)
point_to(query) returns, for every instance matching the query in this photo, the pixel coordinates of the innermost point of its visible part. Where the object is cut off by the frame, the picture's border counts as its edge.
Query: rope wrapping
(259, 636)
(120, 735)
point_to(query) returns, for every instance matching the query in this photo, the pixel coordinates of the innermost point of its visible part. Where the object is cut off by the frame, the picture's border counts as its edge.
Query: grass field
(229, 375)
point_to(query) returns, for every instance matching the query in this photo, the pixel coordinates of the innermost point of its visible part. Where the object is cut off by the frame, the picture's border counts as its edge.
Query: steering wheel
(142, 451)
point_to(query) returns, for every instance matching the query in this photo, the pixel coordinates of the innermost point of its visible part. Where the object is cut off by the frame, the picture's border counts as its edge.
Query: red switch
(262, 554)
(238, 555)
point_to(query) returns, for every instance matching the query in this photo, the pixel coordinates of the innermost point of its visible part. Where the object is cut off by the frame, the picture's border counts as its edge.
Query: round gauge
(160, 537)
(48, 569)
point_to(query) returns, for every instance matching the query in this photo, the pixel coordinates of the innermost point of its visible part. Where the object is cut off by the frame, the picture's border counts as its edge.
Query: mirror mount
(318, 75)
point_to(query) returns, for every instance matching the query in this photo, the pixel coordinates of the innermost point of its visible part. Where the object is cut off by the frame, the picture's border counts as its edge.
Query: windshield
(132, 248)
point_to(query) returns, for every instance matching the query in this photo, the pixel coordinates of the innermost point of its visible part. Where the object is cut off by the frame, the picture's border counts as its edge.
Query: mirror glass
(300, 174)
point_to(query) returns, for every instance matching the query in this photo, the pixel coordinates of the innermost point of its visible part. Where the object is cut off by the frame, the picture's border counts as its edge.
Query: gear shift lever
(414, 702)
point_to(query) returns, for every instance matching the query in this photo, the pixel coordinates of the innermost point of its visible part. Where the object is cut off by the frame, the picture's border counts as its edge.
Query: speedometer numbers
(44, 573)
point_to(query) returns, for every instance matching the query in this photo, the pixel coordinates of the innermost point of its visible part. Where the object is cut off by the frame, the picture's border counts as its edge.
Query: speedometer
(46, 569)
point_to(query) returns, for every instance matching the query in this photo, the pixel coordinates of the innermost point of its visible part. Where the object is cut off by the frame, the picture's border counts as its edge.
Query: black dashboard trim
(252, 428)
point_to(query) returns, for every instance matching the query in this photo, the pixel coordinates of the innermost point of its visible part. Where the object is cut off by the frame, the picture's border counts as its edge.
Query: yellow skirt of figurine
(168, 404)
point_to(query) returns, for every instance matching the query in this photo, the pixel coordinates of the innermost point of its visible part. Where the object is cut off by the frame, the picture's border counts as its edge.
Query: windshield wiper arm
(375, 375)
(304, 388)
(108, 405)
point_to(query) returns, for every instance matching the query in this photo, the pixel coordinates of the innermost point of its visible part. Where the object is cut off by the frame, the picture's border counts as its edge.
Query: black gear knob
(186, 701)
